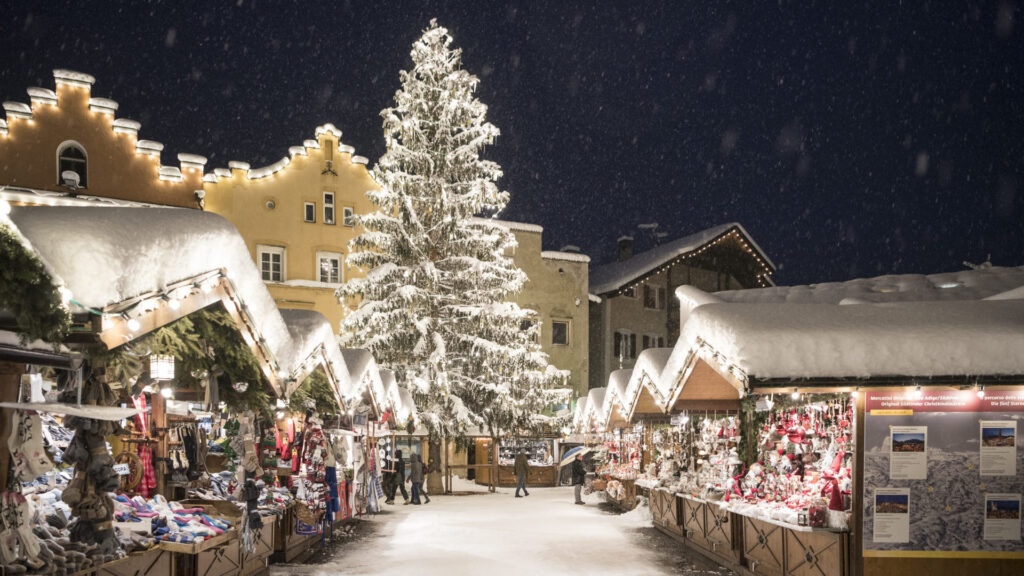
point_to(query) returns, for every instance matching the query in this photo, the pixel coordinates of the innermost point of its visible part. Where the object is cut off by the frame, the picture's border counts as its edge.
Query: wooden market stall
(852, 442)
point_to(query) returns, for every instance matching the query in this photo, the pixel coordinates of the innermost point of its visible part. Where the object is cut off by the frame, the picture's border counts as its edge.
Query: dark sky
(850, 138)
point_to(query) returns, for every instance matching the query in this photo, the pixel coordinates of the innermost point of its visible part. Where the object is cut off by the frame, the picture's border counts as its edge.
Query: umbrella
(572, 453)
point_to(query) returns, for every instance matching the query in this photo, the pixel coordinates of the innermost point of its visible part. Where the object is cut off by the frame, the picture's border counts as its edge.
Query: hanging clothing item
(314, 448)
(28, 457)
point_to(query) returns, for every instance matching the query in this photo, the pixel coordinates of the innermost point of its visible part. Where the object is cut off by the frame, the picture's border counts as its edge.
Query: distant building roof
(611, 277)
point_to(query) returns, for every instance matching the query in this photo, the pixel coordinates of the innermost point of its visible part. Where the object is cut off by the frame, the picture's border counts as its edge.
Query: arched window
(71, 156)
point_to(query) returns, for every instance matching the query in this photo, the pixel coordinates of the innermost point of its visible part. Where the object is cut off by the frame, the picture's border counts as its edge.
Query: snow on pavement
(497, 534)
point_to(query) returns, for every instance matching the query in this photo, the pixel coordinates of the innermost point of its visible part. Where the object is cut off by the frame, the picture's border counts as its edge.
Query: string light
(795, 395)
(918, 393)
(167, 392)
(855, 392)
(981, 391)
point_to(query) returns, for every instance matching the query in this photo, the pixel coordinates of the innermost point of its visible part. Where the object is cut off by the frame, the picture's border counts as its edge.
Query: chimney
(625, 248)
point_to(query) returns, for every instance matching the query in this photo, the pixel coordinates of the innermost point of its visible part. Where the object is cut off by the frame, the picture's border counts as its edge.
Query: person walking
(397, 479)
(521, 469)
(579, 474)
(416, 477)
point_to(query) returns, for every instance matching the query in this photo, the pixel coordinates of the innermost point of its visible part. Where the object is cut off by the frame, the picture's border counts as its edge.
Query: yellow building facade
(297, 217)
(69, 130)
(557, 290)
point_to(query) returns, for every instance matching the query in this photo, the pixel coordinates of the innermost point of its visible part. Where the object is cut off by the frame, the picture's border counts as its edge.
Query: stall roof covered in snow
(972, 284)
(109, 255)
(962, 323)
(612, 276)
(945, 338)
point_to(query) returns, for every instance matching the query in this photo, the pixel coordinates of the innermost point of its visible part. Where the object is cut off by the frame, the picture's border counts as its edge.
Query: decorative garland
(206, 345)
(316, 388)
(28, 292)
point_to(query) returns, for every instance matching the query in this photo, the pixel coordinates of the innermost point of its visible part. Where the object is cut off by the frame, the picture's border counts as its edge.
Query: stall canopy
(943, 328)
(135, 269)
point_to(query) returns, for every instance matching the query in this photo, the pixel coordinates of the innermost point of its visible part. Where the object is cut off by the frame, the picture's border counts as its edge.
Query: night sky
(849, 140)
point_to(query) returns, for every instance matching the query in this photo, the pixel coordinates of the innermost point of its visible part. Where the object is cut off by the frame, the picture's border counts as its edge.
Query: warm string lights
(733, 234)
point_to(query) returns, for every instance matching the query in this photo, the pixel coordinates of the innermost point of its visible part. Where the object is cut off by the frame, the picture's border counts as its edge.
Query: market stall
(541, 454)
(854, 449)
(202, 359)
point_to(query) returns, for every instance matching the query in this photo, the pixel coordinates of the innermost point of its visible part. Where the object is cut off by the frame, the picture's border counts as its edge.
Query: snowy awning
(147, 264)
(924, 327)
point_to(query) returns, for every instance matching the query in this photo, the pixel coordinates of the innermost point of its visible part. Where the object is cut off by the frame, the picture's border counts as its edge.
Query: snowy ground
(496, 534)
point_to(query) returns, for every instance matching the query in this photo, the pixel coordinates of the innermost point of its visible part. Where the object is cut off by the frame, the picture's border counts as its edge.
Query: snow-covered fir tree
(434, 305)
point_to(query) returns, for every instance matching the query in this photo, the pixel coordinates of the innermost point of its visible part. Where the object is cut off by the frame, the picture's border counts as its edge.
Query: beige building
(635, 306)
(297, 217)
(557, 290)
(67, 142)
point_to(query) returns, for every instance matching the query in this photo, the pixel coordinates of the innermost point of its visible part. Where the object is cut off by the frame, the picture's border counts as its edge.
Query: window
(653, 341)
(328, 150)
(329, 267)
(625, 345)
(654, 298)
(271, 263)
(71, 156)
(560, 332)
(348, 217)
(309, 211)
(328, 207)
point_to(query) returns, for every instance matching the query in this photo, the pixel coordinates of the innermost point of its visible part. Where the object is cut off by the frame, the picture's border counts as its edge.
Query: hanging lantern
(161, 367)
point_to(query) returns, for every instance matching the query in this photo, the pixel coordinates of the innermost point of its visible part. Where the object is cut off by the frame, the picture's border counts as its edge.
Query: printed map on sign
(948, 506)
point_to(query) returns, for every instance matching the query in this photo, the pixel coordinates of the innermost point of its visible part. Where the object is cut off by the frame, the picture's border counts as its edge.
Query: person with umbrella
(579, 474)
(521, 468)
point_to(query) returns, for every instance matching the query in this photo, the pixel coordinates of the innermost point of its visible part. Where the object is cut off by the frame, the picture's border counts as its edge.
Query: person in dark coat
(397, 479)
(579, 474)
(416, 476)
(521, 469)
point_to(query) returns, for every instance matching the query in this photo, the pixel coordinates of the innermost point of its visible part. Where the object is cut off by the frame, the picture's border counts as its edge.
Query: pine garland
(316, 388)
(28, 292)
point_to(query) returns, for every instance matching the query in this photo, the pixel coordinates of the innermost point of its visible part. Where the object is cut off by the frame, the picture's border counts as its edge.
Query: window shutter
(618, 344)
(661, 298)
(632, 345)
(661, 342)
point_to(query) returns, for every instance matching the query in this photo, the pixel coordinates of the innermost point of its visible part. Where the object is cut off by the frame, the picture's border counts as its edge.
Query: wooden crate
(665, 511)
(153, 562)
(218, 556)
(256, 563)
(763, 546)
(816, 553)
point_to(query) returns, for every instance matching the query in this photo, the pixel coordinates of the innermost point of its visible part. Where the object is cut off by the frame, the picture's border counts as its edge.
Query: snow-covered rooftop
(567, 256)
(514, 226)
(917, 339)
(971, 284)
(612, 276)
(110, 255)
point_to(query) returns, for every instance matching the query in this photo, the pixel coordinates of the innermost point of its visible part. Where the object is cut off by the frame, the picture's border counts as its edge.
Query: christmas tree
(434, 305)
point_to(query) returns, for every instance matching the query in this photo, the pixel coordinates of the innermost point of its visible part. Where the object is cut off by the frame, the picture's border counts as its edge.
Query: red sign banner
(944, 400)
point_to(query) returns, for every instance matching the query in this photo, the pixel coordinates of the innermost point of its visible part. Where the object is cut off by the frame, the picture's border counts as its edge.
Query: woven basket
(600, 484)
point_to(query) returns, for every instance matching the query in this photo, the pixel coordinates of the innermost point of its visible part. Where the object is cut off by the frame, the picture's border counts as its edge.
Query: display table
(538, 477)
(666, 512)
(217, 556)
(156, 561)
(290, 547)
(759, 545)
(626, 500)
(256, 564)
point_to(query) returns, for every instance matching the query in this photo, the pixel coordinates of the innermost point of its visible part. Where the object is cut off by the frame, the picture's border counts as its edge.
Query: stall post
(10, 382)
